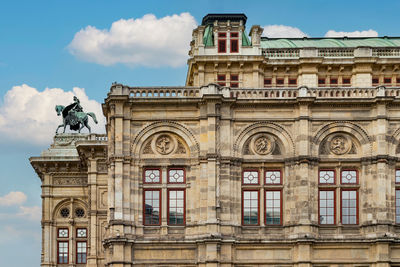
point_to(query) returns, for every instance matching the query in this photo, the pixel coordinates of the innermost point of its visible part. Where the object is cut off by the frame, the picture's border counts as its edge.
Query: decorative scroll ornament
(339, 144)
(164, 144)
(263, 144)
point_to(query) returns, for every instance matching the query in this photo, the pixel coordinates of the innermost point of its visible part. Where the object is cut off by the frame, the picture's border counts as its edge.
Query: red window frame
(234, 42)
(375, 80)
(267, 82)
(321, 81)
(333, 81)
(76, 232)
(387, 80)
(325, 170)
(176, 169)
(77, 254)
(346, 81)
(251, 170)
(280, 203)
(341, 205)
(292, 82)
(280, 177)
(222, 42)
(184, 205)
(341, 173)
(280, 81)
(221, 79)
(258, 206)
(62, 228)
(398, 80)
(234, 80)
(151, 169)
(144, 205)
(334, 205)
(58, 252)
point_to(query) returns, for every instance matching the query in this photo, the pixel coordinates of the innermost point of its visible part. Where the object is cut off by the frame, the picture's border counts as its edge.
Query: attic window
(375, 81)
(267, 82)
(221, 78)
(222, 42)
(234, 80)
(346, 81)
(234, 42)
(333, 81)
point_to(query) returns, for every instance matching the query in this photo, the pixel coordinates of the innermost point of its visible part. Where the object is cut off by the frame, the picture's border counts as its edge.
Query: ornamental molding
(70, 181)
(262, 144)
(164, 143)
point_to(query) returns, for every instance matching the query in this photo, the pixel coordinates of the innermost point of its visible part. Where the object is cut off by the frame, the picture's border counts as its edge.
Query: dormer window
(222, 42)
(234, 42)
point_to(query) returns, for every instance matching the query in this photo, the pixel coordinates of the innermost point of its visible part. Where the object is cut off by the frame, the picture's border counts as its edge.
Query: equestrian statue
(74, 116)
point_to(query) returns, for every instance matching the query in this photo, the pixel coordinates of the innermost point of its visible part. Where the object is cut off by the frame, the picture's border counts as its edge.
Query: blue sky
(46, 58)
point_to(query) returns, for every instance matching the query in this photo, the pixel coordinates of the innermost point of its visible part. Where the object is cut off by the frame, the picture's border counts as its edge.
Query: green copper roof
(329, 42)
(208, 36)
(245, 39)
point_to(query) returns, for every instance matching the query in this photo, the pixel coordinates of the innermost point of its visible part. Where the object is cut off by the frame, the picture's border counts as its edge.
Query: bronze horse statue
(75, 119)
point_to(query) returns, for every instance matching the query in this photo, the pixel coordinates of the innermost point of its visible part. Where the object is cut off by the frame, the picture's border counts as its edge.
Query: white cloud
(369, 33)
(31, 213)
(146, 41)
(13, 198)
(283, 31)
(29, 115)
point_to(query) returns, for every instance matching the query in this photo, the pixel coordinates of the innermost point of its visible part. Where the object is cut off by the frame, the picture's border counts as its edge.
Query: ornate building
(277, 152)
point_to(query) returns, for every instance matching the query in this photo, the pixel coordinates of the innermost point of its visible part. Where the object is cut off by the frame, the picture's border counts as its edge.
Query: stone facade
(225, 151)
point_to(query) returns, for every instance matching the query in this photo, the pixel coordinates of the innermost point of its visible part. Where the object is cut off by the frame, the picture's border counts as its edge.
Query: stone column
(92, 227)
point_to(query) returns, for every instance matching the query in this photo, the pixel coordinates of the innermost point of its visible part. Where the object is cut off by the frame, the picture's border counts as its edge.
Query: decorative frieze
(70, 180)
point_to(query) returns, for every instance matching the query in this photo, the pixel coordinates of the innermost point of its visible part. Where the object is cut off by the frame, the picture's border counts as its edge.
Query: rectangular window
(62, 233)
(273, 177)
(176, 176)
(346, 81)
(273, 205)
(152, 204)
(222, 42)
(327, 207)
(349, 207)
(62, 252)
(333, 81)
(81, 233)
(234, 80)
(176, 206)
(250, 177)
(81, 252)
(349, 177)
(327, 177)
(221, 78)
(234, 42)
(375, 81)
(292, 82)
(152, 176)
(267, 82)
(398, 81)
(397, 179)
(397, 205)
(250, 207)
(280, 81)
(387, 80)
(321, 81)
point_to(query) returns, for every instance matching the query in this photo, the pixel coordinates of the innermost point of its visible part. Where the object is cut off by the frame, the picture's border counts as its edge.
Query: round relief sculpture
(164, 144)
(339, 145)
(263, 144)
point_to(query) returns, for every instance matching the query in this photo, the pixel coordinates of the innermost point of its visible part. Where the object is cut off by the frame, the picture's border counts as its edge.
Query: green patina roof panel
(245, 40)
(208, 36)
(329, 42)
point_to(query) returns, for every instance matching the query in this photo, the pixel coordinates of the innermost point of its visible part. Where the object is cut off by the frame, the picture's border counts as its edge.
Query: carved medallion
(164, 144)
(339, 145)
(263, 144)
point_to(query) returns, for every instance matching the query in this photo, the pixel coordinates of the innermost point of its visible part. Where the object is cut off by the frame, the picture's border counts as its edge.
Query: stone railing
(97, 137)
(386, 52)
(163, 92)
(281, 53)
(334, 52)
(143, 93)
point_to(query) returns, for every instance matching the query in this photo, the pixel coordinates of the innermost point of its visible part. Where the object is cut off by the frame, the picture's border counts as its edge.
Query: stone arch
(276, 130)
(168, 127)
(66, 203)
(355, 131)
